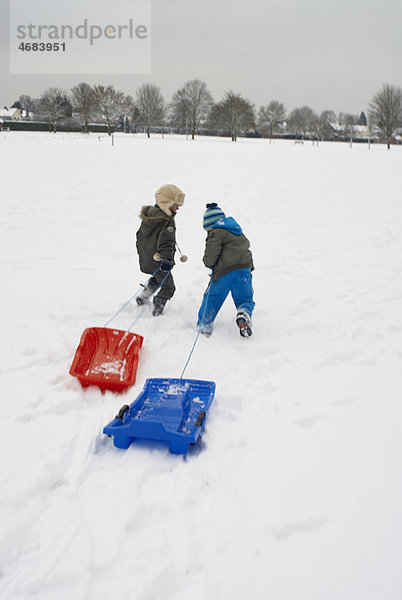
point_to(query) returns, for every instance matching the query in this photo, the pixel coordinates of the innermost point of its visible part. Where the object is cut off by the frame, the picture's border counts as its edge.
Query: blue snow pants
(239, 283)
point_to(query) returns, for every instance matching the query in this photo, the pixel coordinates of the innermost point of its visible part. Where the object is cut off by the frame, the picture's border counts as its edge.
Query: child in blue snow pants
(239, 283)
(227, 253)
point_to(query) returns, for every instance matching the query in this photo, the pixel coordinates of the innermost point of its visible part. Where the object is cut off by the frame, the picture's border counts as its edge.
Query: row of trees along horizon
(193, 110)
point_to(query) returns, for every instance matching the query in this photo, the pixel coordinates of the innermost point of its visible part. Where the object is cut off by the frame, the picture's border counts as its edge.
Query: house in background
(9, 114)
(352, 132)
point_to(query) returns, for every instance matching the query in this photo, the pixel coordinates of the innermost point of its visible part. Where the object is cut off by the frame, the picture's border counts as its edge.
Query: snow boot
(144, 294)
(243, 322)
(206, 330)
(159, 305)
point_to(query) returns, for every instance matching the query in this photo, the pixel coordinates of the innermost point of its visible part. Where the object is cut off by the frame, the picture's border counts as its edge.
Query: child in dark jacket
(227, 253)
(156, 245)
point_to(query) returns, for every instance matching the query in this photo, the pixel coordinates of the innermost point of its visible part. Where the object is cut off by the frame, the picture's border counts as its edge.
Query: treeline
(192, 110)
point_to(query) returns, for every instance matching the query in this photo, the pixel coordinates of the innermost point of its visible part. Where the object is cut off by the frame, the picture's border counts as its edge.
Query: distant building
(10, 114)
(356, 132)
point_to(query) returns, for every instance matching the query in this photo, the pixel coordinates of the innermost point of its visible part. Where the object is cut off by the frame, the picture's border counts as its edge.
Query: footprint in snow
(284, 532)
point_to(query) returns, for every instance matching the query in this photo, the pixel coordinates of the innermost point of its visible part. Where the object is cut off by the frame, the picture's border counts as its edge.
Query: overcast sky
(328, 54)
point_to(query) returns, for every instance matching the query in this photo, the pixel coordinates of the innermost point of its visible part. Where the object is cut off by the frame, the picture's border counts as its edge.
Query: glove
(166, 265)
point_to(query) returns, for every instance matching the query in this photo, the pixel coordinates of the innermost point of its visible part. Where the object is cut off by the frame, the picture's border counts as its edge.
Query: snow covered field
(295, 491)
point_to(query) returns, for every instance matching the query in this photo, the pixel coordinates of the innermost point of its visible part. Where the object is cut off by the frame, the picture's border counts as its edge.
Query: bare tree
(150, 104)
(54, 105)
(234, 113)
(112, 105)
(135, 117)
(83, 98)
(327, 122)
(321, 127)
(191, 105)
(329, 116)
(348, 123)
(271, 116)
(385, 111)
(301, 120)
(26, 104)
(316, 129)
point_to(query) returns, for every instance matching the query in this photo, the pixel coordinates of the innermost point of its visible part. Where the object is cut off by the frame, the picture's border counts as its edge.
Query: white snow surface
(295, 491)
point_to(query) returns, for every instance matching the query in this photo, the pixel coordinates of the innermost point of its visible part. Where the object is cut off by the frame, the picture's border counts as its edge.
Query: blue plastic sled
(172, 410)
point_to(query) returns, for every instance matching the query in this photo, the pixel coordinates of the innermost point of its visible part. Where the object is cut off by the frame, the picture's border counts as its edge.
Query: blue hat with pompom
(212, 215)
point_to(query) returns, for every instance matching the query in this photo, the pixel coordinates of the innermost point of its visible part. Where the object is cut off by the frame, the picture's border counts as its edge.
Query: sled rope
(132, 298)
(122, 307)
(199, 330)
(141, 310)
(144, 305)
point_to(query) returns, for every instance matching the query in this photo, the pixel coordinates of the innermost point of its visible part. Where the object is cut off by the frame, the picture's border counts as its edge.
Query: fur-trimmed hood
(153, 215)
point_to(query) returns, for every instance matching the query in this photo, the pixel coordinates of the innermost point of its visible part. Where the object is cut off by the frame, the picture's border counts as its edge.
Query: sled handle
(122, 412)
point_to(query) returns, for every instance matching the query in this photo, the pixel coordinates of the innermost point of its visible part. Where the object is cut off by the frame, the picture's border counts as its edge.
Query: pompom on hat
(212, 215)
(167, 196)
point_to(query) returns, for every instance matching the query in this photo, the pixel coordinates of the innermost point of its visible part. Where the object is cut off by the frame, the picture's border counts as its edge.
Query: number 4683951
(42, 47)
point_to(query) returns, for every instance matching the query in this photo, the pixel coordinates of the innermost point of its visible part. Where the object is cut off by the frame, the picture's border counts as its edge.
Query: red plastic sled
(107, 358)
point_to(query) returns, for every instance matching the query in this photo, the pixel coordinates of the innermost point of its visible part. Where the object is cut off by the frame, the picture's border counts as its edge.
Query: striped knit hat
(212, 215)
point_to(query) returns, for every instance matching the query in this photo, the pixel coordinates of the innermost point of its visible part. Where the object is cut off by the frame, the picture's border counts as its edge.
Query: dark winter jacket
(157, 233)
(226, 248)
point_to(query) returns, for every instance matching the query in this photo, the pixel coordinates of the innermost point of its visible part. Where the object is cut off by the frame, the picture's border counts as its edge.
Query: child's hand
(166, 265)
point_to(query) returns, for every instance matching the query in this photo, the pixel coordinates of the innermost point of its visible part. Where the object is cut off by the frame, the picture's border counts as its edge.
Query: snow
(112, 366)
(295, 488)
